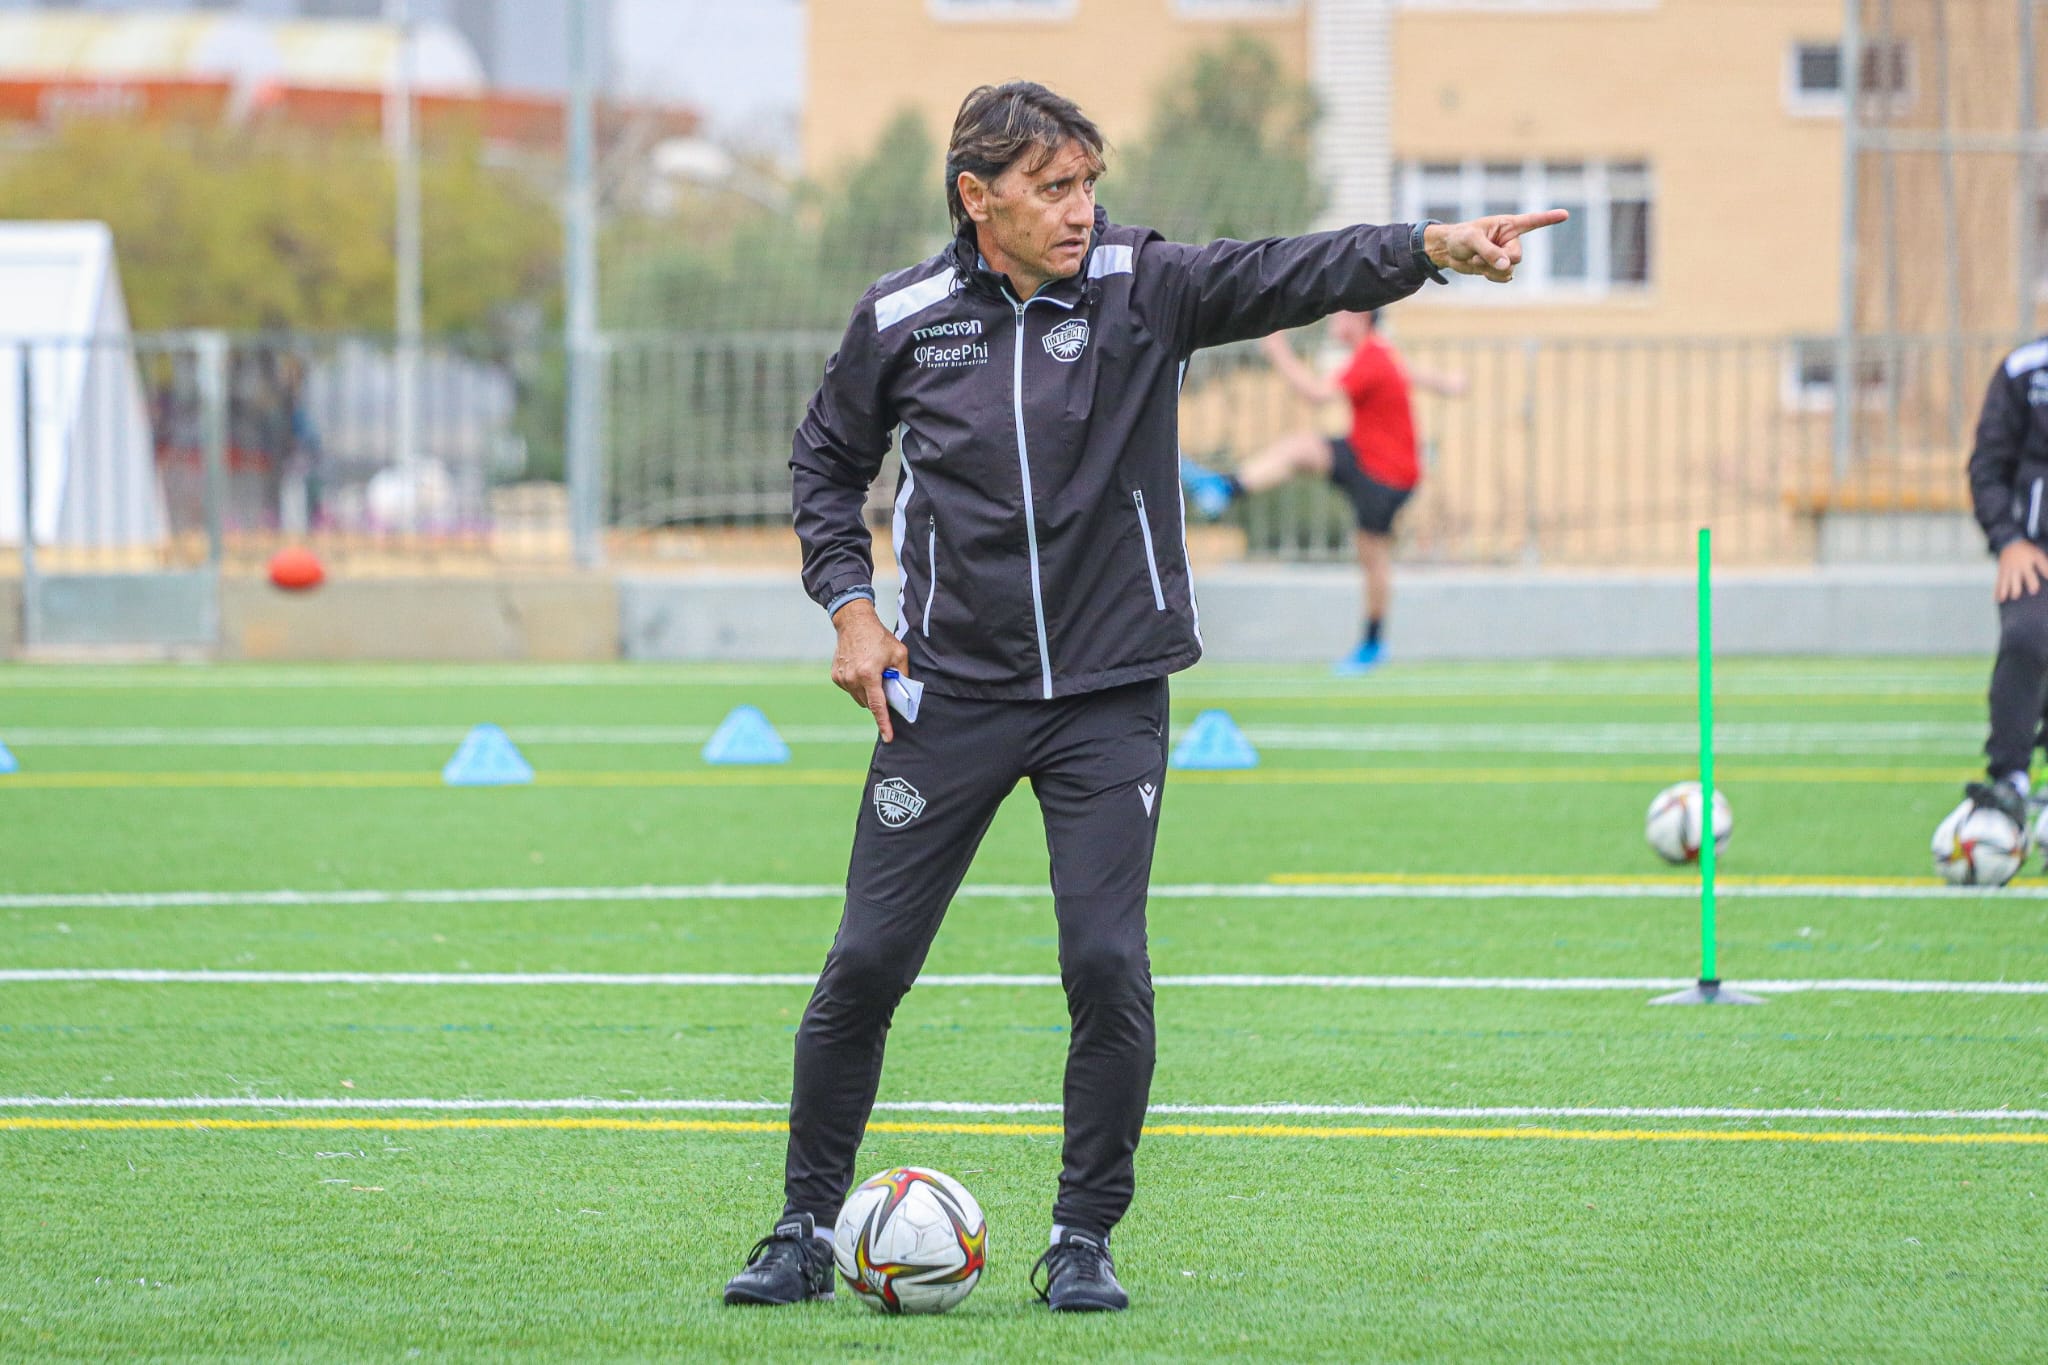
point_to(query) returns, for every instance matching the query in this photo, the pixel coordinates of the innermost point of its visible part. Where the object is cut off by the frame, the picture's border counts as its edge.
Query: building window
(1236, 9)
(1813, 80)
(1607, 247)
(1810, 370)
(1002, 9)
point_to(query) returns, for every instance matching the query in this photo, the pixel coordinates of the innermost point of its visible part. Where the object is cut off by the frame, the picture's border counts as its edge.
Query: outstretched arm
(1311, 387)
(1197, 296)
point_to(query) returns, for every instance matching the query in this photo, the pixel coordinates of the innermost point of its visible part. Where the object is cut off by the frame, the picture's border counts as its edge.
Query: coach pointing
(1033, 367)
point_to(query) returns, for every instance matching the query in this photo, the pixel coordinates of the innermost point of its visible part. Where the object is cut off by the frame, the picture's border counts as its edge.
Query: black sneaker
(789, 1265)
(2002, 797)
(1079, 1276)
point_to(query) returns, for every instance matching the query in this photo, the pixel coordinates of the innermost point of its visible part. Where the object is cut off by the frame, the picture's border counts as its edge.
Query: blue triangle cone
(7, 763)
(745, 736)
(1214, 741)
(487, 759)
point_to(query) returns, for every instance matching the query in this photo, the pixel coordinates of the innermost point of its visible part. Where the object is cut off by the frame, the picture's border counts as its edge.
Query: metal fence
(178, 452)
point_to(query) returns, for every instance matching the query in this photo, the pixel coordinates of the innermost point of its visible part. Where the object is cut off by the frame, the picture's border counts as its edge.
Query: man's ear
(974, 196)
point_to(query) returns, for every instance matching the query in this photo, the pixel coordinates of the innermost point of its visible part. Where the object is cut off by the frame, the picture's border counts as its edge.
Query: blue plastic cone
(487, 759)
(7, 763)
(745, 736)
(1214, 741)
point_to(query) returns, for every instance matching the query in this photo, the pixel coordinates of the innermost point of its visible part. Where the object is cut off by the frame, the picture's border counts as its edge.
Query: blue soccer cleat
(1364, 659)
(1212, 492)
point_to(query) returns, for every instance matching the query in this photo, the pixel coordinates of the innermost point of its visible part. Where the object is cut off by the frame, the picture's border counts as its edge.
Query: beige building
(1668, 357)
(1697, 141)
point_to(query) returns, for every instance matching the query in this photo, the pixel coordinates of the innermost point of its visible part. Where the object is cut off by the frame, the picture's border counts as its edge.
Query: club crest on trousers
(897, 802)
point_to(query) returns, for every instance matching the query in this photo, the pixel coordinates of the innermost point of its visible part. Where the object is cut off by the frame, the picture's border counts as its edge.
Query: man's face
(1040, 219)
(1350, 330)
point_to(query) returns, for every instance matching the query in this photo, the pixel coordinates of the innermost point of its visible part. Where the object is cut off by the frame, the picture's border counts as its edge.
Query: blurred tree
(274, 229)
(1227, 151)
(797, 269)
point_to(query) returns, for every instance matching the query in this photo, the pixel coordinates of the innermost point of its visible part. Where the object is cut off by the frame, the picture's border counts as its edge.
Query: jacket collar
(975, 275)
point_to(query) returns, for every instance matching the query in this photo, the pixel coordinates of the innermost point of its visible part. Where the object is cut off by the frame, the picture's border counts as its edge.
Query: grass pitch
(1341, 1170)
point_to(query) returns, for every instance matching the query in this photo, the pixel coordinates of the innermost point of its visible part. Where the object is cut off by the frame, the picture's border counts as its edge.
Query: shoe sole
(1088, 1307)
(741, 1299)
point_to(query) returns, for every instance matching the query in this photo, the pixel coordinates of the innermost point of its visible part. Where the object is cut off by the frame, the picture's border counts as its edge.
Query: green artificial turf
(370, 1240)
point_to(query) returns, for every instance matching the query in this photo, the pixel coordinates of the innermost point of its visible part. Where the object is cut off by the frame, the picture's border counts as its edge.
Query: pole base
(1709, 992)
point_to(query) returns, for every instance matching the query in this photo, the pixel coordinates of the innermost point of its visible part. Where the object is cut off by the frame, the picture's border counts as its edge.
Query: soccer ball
(1673, 823)
(910, 1241)
(1978, 846)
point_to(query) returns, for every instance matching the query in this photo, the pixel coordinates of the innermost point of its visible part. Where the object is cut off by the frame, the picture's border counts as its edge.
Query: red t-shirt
(1382, 423)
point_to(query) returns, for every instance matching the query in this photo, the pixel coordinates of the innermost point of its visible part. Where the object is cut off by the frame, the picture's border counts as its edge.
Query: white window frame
(1803, 103)
(1799, 396)
(1001, 11)
(1533, 285)
(1526, 6)
(1235, 9)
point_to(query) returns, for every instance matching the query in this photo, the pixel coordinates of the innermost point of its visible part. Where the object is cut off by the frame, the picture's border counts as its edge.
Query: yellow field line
(822, 777)
(1232, 1130)
(1427, 879)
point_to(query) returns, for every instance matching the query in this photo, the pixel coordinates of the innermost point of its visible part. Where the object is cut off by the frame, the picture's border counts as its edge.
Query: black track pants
(1096, 763)
(2019, 683)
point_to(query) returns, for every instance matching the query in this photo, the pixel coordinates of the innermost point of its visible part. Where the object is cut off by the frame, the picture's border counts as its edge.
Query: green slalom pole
(1709, 975)
(1709, 991)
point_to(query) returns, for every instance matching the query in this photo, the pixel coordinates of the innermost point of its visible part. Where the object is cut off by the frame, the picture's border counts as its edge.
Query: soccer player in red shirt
(1375, 464)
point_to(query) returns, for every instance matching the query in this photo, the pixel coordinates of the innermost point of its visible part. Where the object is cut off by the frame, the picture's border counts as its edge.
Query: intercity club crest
(1067, 341)
(897, 802)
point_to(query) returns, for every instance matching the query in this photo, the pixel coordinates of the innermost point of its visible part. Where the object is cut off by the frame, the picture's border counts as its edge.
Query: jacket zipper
(931, 576)
(2034, 511)
(1151, 560)
(1030, 515)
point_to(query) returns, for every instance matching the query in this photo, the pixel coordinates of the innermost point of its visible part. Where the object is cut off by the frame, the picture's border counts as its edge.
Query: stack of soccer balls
(1980, 845)
(1677, 822)
(910, 1240)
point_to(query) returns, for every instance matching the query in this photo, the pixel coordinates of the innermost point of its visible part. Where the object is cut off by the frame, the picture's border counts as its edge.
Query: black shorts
(1375, 504)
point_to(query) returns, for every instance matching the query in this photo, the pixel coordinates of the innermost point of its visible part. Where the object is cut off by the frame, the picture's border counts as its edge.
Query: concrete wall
(567, 618)
(1250, 614)
(1286, 614)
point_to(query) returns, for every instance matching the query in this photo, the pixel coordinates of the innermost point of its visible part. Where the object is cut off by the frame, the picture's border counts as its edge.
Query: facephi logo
(897, 802)
(1066, 341)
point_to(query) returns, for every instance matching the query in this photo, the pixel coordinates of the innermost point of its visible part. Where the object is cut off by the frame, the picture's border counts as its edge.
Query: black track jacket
(2009, 463)
(1038, 523)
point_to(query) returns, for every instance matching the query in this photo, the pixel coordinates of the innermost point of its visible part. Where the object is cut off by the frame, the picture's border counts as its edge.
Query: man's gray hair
(1000, 125)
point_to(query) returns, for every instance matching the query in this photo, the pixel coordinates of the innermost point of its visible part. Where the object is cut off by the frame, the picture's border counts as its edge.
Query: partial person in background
(2008, 469)
(1376, 464)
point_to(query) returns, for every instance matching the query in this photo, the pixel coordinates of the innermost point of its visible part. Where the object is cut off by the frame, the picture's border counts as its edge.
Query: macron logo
(1146, 791)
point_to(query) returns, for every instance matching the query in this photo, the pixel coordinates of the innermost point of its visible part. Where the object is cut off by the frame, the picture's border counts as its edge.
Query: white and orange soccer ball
(1977, 846)
(1676, 822)
(910, 1240)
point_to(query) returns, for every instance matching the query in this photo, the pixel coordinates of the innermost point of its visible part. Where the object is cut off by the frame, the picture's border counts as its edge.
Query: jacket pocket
(931, 575)
(1152, 558)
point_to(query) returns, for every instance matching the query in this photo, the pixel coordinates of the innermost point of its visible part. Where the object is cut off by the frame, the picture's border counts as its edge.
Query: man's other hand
(1486, 246)
(866, 648)
(2022, 567)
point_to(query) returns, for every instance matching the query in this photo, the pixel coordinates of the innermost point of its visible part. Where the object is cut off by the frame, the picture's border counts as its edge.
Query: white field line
(351, 1103)
(1481, 680)
(168, 976)
(1391, 889)
(1762, 738)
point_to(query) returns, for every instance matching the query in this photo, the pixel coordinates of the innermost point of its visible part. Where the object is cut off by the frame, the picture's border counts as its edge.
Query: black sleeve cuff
(1415, 244)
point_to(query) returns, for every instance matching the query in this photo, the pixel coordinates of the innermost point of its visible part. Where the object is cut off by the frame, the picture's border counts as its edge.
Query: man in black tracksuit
(2008, 468)
(1033, 368)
